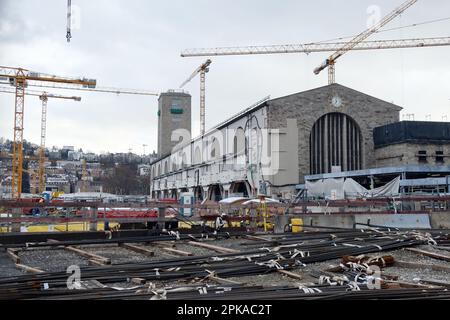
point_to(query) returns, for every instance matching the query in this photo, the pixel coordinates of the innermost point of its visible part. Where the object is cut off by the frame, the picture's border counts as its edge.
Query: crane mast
(20, 77)
(17, 161)
(202, 70)
(44, 99)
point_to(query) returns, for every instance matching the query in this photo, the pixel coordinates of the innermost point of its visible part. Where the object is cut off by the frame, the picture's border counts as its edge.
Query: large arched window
(215, 149)
(239, 142)
(174, 165)
(166, 166)
(184, 161)
(335, 141)
(197, 155)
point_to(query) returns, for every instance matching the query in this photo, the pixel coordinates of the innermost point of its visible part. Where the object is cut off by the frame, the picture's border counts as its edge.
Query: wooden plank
(163, 243)
(137, 249)
(429, 254)
(224, 281)
(436, 282)
(416, 265)
(442, 248)
(89, 255)
(213, 247)
(28, 268)
(38, 248)
(13, 255)
(290, 274)
(177, 252)
(256, 238)
(96, 259)
(93, 262)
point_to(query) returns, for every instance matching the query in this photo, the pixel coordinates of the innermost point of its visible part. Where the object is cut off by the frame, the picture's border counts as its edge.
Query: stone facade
(174, 113)
(276, 134)
(309, 106)
(408, 154)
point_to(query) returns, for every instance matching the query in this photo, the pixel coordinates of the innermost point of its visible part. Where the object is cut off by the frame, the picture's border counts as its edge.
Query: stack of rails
(239, 292)
(140, 239)
(285, 252)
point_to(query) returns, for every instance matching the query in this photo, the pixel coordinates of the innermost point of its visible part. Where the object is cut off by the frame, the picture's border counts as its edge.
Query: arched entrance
(240, 187)
(215, 192)
(173, 194)
(198, 193)
(335, 141)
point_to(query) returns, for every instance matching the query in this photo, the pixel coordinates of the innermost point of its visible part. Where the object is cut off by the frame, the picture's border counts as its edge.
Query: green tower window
(176, 110)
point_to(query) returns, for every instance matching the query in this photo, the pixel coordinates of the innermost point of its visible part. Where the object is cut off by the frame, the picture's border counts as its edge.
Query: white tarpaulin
(338, 189)
(353, 189)
(327, 188)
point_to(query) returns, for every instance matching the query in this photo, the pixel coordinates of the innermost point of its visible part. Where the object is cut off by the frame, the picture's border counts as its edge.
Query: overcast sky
(137, 44)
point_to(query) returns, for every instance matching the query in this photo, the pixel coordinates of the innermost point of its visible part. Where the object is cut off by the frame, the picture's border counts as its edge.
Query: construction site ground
(59, 259)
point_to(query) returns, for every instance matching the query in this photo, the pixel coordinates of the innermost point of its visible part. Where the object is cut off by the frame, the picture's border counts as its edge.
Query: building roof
(335, 86)
(443, 169)
(412, 132)
(258, 105)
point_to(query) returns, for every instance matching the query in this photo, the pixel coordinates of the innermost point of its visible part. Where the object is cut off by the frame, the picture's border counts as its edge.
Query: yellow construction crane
(331, 61)
(202, 70)
(113, 90)
(6, 155)
(43, 96)
(20, 78)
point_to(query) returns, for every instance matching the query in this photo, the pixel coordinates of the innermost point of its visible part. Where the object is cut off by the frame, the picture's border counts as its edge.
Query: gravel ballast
(54, 260)
(51, 260)
(7, 266)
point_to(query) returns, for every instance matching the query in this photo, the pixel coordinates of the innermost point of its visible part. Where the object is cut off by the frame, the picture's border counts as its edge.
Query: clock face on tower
(336, 101)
